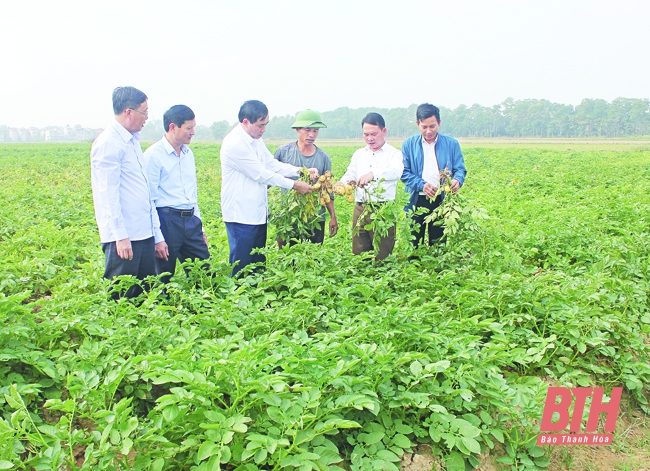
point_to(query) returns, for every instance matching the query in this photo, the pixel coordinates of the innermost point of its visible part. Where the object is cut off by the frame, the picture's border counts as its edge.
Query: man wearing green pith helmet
(304, 153)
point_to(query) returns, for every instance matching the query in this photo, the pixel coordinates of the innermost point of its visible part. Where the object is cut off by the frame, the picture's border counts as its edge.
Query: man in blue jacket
(425, 156)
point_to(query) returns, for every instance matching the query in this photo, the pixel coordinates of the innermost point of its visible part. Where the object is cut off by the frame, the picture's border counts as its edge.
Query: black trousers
(142, 265)
(242, 240)
(184, 237)
(434, 232)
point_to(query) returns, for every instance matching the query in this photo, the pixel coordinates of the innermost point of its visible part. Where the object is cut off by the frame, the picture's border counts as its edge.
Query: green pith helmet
(308, 119)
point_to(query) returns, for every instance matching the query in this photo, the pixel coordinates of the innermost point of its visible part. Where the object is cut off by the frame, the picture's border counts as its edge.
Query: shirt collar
(245, 136)
(170, 149)
(378, 150)
(124, 133)
(435, 141)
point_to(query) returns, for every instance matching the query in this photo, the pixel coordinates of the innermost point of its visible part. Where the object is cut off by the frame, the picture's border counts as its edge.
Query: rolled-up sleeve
(283, 168)
(243, 159)
(351, 172)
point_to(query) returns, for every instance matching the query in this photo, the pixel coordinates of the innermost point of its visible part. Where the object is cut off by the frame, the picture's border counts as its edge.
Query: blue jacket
(448, 155)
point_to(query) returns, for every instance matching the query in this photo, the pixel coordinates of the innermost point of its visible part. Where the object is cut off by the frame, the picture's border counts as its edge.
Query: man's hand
(124, 249)
(455, 185)
(429, 190)
(302, 187)
(365, 179)
(313, 174)
(205, 239)
(334, 226)
(162, 251)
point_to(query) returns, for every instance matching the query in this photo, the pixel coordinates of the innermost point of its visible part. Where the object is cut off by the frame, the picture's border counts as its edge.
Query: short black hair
(375, 119)
(425, 111)
(253, 111)
(177, 114)
(127, 97)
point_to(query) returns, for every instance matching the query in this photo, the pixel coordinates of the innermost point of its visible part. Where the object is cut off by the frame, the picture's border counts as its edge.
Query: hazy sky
(62, 59)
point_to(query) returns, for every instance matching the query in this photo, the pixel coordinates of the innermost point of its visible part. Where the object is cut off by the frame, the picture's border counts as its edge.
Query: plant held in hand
(455, 212)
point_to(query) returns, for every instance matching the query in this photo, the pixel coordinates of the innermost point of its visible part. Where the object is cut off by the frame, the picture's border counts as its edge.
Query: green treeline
(622, 117)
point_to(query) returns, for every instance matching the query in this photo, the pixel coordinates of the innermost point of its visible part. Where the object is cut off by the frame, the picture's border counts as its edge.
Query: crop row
(325, 361)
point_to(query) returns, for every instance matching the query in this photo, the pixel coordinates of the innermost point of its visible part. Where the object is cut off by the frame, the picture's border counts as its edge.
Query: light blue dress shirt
(123, 205)
(172, 177)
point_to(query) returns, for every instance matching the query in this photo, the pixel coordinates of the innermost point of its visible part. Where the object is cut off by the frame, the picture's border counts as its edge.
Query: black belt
(184, 213)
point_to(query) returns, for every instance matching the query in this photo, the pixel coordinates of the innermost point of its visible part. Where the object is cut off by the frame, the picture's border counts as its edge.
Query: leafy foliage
(324, 361)
(455, 213)
(296, 216)
(292, 214)
(383, 216)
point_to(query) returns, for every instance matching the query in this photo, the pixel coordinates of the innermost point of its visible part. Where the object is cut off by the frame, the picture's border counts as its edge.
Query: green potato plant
(322, 362)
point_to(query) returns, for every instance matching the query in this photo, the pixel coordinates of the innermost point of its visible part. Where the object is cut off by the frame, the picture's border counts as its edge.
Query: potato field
(325, 361)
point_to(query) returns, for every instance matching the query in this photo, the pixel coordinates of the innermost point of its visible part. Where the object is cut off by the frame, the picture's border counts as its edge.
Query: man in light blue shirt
(129, 227)
(172, 179)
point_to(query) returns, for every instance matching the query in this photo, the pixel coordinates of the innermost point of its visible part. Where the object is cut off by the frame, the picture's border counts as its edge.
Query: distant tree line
(622, 117)
(154, 130)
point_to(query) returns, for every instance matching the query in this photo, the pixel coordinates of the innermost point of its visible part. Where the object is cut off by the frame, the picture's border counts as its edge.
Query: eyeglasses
(145, 113)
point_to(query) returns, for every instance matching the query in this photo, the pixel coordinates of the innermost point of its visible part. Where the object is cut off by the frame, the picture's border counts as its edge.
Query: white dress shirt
(123, 206)
(430, 170)
(247, 168)
(172, 178)
(386, 163)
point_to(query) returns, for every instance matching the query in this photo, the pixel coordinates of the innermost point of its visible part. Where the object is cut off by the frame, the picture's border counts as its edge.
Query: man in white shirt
(128, 222)
(247, 169)
(172, 179)
(375, 169)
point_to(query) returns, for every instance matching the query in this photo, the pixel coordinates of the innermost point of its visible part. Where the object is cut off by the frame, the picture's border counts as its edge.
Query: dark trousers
(184, 237)
(242, 239)
(435, 232)
(362, 242)
(142, 265)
